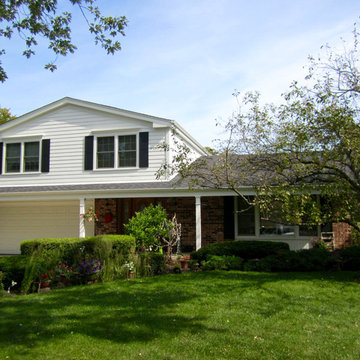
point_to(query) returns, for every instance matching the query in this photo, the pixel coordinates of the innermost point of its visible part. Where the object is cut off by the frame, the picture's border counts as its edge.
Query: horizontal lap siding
(67, 128)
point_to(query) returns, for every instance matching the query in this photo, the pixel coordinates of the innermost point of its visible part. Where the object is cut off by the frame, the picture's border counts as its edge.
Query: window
(253, 223)
(31, 156)
(245, 217)
(105, 152)
(274, 224)
(126, 146)
(22, 157)
(127, 150)
(13, 157)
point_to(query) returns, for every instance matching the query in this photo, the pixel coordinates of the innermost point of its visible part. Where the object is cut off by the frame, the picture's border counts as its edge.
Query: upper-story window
(22, 157)
(126, 153)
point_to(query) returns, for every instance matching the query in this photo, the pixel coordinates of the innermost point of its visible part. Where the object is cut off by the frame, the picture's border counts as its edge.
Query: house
(67, 156)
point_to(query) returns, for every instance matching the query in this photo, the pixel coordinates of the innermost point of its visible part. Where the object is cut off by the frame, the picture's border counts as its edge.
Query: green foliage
(350, 258)
(243, 249)
(45, 255)
(150, 263)
(1, 282)
(224, 262)
(148, 227)
(13, 269)
(5, 115)
(34, 20)
(315, 259)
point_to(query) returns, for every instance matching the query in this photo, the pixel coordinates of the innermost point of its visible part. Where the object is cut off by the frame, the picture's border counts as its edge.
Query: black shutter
(229, 218)
(1, 156)
(45, 155)
(89, 153)
(144, 149)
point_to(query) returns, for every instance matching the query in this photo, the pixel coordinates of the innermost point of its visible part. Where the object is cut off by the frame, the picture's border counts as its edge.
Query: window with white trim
(22, 157)
(250, 221)
(125, 156)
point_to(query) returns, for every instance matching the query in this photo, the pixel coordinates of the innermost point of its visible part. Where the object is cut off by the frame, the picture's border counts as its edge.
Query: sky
(183, 59)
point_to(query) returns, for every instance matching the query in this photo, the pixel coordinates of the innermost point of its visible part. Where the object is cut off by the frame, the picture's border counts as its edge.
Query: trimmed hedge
(69, 249)
(245, 249)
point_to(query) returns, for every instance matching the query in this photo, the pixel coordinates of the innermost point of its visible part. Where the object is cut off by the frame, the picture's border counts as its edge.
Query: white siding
(21, 221)
(67, 127)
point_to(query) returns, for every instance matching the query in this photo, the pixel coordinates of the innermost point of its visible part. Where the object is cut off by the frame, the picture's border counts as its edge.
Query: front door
(128, 208)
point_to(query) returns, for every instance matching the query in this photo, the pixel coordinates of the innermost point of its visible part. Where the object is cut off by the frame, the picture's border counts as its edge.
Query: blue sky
(183, 59)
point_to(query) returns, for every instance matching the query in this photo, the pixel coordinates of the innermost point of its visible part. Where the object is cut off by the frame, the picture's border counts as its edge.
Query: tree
(5, 115)
(35, 19)
(309, 144)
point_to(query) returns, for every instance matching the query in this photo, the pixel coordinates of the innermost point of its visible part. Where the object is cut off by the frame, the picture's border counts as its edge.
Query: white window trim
(21, 141)
(116, 148)
(267, 237)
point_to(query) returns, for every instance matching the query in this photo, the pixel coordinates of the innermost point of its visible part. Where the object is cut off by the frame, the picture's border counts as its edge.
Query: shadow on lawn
(121, 312)
(145, 309)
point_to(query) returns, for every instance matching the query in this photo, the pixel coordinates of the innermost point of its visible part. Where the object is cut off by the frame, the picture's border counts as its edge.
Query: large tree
(309, 144)
(32, 20)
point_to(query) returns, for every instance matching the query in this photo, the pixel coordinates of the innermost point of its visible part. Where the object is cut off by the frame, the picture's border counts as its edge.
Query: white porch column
(81, 220)
(198, 221)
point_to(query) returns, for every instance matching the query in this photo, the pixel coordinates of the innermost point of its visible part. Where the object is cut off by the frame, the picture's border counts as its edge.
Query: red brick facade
(111, 219)
(342, 235)
(212, 217)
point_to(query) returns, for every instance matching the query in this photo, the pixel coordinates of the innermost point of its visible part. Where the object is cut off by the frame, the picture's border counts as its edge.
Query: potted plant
(90, 215)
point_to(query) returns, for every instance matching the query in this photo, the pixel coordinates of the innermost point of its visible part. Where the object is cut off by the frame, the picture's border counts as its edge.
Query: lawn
(206, 315)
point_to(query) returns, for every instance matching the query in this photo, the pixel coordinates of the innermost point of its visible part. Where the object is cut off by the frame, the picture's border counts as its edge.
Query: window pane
(245, 218)
(31, 156)
(105, 152)
(127, 151)
(13, 157)
(308, 230)
(273, 224)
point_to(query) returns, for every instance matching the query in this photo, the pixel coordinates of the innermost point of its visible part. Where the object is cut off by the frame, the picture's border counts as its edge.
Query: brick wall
(103, 207)
(342, 235)
(212, 218)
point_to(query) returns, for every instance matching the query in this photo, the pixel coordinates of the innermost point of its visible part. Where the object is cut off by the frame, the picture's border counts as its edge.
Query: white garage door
(36, 219)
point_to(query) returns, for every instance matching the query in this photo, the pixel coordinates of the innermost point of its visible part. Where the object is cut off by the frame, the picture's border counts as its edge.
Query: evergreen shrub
(350, 258)
(13, 269)
(244, 249)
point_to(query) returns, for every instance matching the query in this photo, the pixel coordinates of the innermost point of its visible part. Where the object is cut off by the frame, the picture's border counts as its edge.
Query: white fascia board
(188, 138)
(89, 105)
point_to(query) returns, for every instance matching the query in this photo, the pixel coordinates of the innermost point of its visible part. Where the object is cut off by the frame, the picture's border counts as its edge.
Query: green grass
(208, 315)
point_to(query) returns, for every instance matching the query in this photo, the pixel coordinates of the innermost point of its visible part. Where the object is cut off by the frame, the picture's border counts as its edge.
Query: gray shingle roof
(88, 187)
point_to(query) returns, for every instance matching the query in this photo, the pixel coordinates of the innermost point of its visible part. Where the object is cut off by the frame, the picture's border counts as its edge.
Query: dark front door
(128, 208)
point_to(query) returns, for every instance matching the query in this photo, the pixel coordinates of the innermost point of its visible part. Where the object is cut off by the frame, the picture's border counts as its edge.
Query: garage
(26, 220)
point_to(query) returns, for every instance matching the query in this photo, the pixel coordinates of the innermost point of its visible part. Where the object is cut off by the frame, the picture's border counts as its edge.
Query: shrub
(150, 263)
(47, 254)
(214, 263)
(245, 249)
(315, 259)
(148, 227)
(1, 282)
(350, 258)
(222, 263)
(74, 250)
(13, 269)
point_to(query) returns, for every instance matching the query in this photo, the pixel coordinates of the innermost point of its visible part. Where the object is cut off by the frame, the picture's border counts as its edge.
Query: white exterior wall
(66, 127)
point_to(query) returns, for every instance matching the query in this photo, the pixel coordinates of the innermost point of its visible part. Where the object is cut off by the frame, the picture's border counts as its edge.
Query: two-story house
(61, 159)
